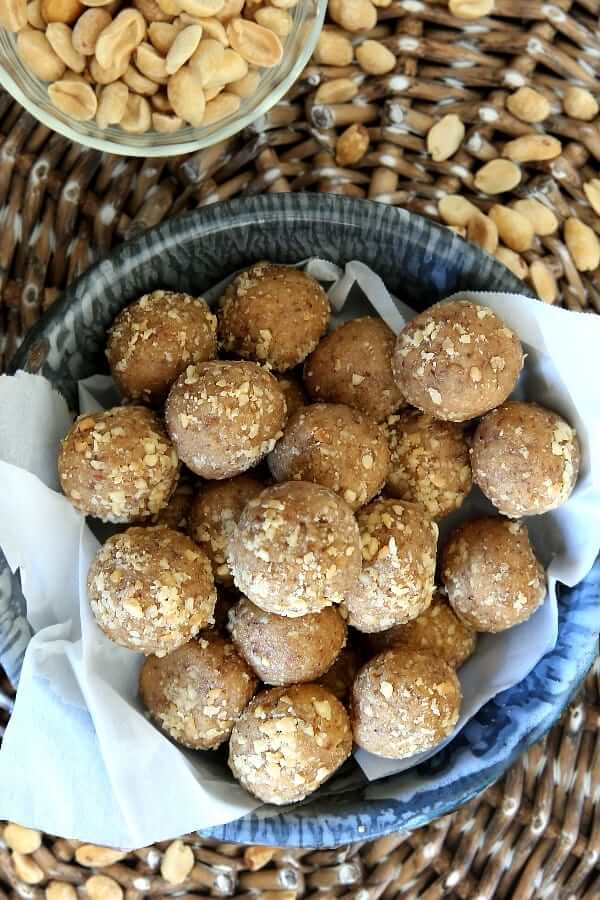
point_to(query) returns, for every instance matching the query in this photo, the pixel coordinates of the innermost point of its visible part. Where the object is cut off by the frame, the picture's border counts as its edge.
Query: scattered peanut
(277, 20)
(177, 862)
(169, 7)
(201, 8)
(583, 245)
(471, 9)
(592, 192)
(182, 48)
(138, 83)
(497, 176)
(257, 45)
(206, 59)
(13, 15)
(528, 105)
(445, 137)
(353, 15)
(257, 857)
(162, 35)
(65, 11)
(186, 96)
(246, 86)
(120, 38)
(338, 90)
(333, 49)
(514, 229)
(105, 76)
(230, 9)
(150, 10)
(21, 839)
(351, 145)
(93, 856)
(532, 148)
(150, 63)
(222, 106)
(100, 887)
(165, 123)
(374, 58)
(26, 869)
(60, 890)
(211, 28)
(87, 30)
(580, 103)
(60, 38)
(512, 261)
(34, 15)
(542, 218)
(112, 104)
(74, 98)
(482, 231)
(456, 210)
(36, 53)
(543, 281)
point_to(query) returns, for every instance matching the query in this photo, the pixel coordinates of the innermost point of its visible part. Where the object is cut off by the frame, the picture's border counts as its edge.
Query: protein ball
(404, 702)
(340, 677)
(294, 395)
(224, 417)
(176, 513)
(336, 446)
(456, 361)
(296, 549)
(288, 741)
(153, 340)
(491, 574)
(399, 545)
(525, 459)
(118, 465)
(438, 630)
(213, 516)
(429, 462)
(197, 692)
(287, 651)
(353, 365)
(273, 314)
(151, 589)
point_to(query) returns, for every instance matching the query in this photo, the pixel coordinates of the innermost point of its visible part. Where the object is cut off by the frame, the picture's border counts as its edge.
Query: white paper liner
(79, 758)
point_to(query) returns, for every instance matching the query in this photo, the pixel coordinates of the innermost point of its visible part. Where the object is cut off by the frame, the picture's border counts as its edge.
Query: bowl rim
(158, 150)
(371, 817)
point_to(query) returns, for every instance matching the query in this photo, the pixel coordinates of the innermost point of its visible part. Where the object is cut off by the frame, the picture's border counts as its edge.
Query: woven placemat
(536, 834)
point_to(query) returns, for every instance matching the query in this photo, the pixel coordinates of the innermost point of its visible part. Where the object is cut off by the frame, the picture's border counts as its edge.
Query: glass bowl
(30, 92)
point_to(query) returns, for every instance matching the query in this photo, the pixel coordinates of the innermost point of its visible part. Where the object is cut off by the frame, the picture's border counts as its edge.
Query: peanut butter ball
(336, 446)
(353, 365)
(213, 516)
(153, 340)
(296, 549)
(197, 692)
(404, 701)
(399, 543)
(118, 465)
(151, 589)
(273, 314)
(293, 393)
(288, 741)
(224, 417)
(491, 574)
(340, 677)
(525, 459)
(456, 361)
(287, 651)
(429, 462)
(438, 630)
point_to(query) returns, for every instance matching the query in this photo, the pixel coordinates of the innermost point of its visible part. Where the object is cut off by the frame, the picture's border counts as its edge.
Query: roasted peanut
(513, 229)
(96, 857)
(257, 45)
(206, 59)
(482, 231)
(150, 63)
(13, 15)
(87, 30)
(211, 28)
(338, 90)
(222, 106)
(333, 49)
(182, 48)
(232, 68)
(166, 123)
(374, 58)
(211, 92)
(471, 9)
(353, 15)
(60, 890)
(278, 20)
(74, 98)
(230, 9)
(138, 83)
(160, 102)
(352, 145)
(169, 7)
(592, 192)
(101, 887)
(201, 9)
(445, 137)
(66, 11)
(96, 3)
(27, 869)
(284, 4)
(583, 245)
(162, 35)
(34, 15)
(36, 53)
(580, 104)
(543, 220)
(246, 86)
(528, 105)
(512, 261)
(151, 11)
(497, 176)
(177, 862)
(106, 76)
(543, 281)
(186, 96)
(112, 104)
(60, 38)
(120, 38)
(456, 210)
(532, 148)
(21, 839)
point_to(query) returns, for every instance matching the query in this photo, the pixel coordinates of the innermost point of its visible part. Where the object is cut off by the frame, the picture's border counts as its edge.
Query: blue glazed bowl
(421, 263)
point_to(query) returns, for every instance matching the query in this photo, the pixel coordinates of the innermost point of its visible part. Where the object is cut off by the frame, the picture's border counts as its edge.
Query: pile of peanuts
(156, 64)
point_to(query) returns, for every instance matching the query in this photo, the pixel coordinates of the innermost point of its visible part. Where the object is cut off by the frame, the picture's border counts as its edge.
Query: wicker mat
(537, 832)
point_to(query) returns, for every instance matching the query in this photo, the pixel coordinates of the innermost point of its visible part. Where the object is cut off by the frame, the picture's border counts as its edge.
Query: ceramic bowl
(421, 263)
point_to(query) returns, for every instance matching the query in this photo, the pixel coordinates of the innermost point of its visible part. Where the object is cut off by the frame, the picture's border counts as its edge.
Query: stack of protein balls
(279, 571)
